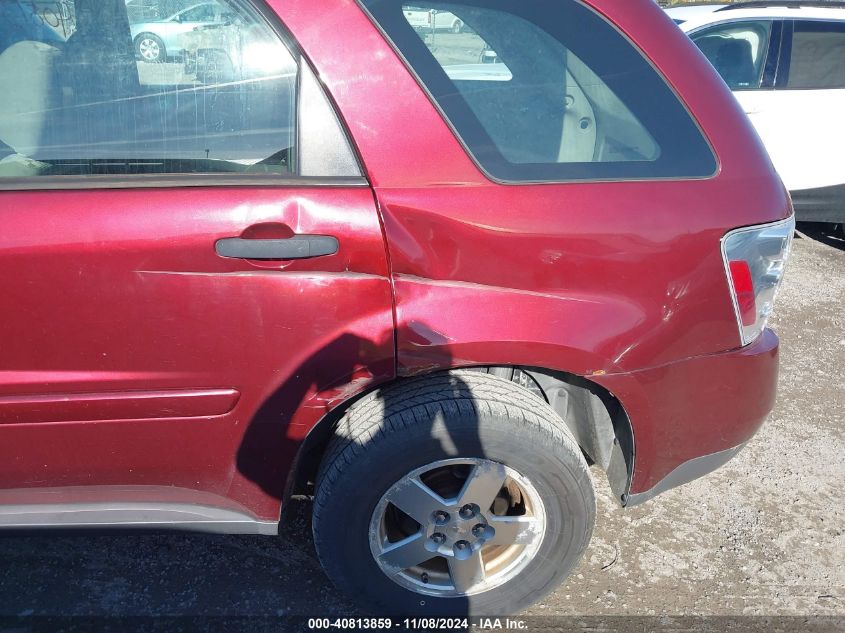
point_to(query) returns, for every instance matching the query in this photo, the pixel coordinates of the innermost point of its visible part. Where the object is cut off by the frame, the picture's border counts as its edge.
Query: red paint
(696, 406)
(744, 289)
(119, 291)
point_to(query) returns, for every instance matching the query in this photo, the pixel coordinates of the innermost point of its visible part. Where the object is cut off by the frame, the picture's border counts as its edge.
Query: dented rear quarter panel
(587, 278)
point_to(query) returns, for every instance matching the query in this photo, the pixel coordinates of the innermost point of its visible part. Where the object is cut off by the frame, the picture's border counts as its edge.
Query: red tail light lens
(744, 289)
(755, 260)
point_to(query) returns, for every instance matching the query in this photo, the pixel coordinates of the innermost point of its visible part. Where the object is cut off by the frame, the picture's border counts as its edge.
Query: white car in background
(785, 62)
(428, 20)
(685, 12)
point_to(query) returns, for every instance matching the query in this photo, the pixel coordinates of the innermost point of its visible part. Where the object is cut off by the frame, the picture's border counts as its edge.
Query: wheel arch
(595, 417)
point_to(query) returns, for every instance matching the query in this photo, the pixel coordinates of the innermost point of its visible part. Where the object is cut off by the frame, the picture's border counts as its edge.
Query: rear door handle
(297, 247)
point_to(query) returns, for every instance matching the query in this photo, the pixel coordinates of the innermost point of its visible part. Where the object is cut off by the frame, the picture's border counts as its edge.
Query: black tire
(143, 48)
(457, 27)
(390, 433)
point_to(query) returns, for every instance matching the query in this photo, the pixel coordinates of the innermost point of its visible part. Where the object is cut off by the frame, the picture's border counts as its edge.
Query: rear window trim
(562, 181)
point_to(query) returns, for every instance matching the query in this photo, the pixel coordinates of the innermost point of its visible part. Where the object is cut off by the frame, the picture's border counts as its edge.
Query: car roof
(692, 10)
(774, 11)
(193, 6)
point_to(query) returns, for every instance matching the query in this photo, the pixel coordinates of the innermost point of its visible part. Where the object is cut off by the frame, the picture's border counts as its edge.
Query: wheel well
(595, 417)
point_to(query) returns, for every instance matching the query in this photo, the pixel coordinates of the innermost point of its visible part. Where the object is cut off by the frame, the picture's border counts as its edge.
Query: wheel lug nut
(462, 550)
(467, 512)
(438, 538)
(478, 530)
(441, 517)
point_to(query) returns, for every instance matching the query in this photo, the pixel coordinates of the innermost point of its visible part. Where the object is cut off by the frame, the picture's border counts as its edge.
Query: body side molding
(132, 515)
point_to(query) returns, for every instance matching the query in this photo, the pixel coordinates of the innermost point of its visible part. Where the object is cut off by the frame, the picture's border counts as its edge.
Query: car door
(187, 272)
(802, 123)
(796, 95)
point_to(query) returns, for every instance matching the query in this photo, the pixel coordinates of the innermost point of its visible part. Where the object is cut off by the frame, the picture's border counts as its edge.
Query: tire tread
(419, 400)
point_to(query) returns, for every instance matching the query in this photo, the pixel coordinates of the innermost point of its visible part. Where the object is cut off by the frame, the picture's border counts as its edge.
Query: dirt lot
(765, 535)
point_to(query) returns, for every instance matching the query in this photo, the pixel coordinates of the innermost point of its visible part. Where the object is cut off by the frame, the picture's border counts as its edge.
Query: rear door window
(545, 92)
(737, 51)
(80, 99)
(817, 60)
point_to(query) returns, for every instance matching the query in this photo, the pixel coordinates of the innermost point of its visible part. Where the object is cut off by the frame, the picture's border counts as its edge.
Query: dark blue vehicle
(22, 23)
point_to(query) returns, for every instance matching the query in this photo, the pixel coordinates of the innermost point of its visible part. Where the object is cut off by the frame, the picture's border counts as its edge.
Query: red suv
(372, 262)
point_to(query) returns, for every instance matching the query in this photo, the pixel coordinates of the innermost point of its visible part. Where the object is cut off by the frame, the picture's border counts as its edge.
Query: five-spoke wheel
(455, 494)
(150, 48)
(457, 527)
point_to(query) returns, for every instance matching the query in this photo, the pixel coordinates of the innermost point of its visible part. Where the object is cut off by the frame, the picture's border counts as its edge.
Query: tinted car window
(566, 96)
(88, 104)
(737, 51)
(202, 13)
(818, 55)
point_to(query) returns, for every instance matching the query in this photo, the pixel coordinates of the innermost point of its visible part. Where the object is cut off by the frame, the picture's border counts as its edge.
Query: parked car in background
(785, 62)
(427, 291)
(157, 40)
(433, 19)
(143, 11)
(681, 13)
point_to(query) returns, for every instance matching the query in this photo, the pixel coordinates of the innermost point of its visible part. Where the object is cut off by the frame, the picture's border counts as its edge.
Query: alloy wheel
(149, 49)
(457, 527)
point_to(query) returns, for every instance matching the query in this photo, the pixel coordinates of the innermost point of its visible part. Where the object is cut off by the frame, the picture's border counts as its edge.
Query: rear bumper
(685, 473)
(690, 417)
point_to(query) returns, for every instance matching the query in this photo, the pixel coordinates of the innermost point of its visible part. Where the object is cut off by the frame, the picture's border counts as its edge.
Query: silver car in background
(160, 39)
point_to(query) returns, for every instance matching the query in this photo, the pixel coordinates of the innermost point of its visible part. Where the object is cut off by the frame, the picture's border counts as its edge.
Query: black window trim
(212, 179)
(785, 55)
(168, 181)
(773, 55)
(509, 182)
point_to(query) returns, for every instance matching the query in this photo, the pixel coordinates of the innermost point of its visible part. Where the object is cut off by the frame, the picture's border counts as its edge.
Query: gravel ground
(765, 535)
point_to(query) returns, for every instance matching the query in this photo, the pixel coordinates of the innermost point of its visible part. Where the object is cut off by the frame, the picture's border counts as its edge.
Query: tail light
(755, 260)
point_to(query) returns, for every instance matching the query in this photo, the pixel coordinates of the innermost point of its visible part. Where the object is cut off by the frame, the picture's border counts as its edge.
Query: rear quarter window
(545, 92)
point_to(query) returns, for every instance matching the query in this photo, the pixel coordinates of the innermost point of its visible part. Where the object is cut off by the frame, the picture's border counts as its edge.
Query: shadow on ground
(829, 234)
(165, 574)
